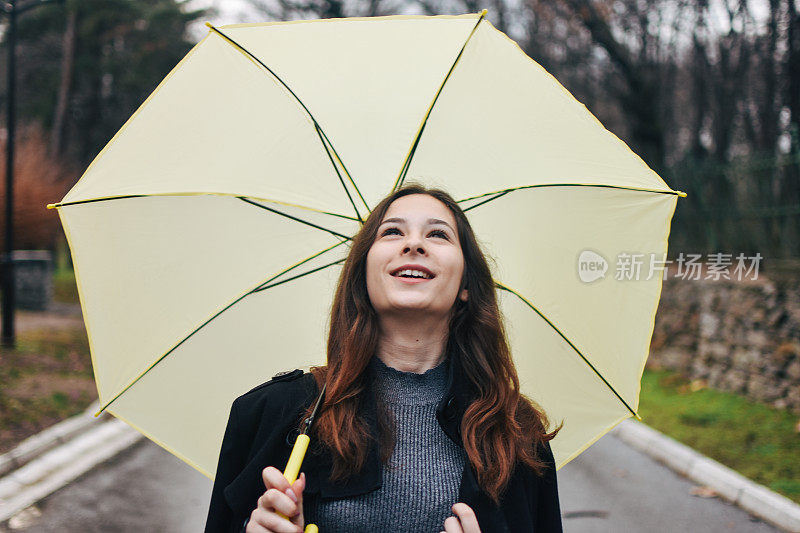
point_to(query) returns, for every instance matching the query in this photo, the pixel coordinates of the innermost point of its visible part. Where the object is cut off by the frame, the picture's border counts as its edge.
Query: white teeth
(415, 273)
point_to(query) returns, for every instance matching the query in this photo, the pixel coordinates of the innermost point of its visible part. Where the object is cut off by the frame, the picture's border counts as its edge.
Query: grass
(46, 379)
(760, 442)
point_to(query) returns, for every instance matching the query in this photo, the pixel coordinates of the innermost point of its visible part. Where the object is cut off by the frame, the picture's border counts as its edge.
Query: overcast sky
(226, 12)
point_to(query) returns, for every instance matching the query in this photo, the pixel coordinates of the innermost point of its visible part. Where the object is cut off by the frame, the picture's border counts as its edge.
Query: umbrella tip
(209, 25)
(51, 206)
(682, 194)
(483, 13)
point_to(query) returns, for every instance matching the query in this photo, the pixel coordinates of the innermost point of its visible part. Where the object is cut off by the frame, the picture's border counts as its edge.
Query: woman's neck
(412, 347)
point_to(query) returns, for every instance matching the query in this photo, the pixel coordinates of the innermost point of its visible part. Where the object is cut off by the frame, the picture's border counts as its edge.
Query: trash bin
(33, 277)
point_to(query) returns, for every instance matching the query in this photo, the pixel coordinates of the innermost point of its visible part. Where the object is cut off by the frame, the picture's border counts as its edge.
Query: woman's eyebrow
(436, 221)
(432, 221)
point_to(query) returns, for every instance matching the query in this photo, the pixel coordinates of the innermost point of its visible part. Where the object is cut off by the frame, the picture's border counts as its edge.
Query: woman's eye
(396, 231)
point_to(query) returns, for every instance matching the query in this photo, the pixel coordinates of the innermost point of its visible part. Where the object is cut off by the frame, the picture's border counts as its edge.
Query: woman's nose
(420, 249)
(414, 243)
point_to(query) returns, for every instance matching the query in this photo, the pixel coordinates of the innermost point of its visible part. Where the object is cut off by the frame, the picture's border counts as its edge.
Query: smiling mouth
(412, 274)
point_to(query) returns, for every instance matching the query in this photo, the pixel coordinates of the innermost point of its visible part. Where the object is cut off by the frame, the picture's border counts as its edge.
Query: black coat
(261, 431)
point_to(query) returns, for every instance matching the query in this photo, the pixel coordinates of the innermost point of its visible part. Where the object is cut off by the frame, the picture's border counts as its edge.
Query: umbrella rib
(218, 313)
(585, 360)
(269, 286)
(407, 163)
(320, 134)
(323, 137)
(78, 202)
(503, 192)
(125, 197)
(272, 210)
(495, 197)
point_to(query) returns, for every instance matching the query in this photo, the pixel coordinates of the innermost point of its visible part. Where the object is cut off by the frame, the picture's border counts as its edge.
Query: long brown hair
(499, 427)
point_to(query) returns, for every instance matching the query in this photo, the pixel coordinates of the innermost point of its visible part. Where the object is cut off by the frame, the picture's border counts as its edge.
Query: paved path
(143, 489)
(610, 488)
(613, 488)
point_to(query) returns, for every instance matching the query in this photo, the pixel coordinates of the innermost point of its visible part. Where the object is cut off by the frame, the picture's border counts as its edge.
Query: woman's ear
(463, 295)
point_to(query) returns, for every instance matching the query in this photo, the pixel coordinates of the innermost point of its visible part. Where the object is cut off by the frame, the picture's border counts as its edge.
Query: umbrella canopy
(208, 234)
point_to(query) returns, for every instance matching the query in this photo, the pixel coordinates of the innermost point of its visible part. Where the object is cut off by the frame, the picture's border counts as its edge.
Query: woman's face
(417, 236)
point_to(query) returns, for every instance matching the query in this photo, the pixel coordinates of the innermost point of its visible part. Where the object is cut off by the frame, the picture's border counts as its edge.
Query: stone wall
(738, 336)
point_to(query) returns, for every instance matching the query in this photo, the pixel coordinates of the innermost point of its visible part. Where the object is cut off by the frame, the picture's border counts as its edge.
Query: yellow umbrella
(208, 234)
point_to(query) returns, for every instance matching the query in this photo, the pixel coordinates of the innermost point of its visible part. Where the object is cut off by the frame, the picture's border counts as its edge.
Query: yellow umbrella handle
(293, 469)
(296, 459)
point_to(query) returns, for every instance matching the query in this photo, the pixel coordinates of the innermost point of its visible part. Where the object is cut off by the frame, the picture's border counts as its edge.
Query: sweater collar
(398, 387)
(449, 413)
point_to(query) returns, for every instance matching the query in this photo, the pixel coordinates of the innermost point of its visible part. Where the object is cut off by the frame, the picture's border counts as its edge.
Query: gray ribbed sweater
(423, 479)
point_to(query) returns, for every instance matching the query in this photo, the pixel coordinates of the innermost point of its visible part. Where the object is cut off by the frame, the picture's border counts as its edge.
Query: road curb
(50, 460)
(46, 440)
(756, 499)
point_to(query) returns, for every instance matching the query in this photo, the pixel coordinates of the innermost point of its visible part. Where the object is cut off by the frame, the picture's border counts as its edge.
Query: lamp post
(12, 10)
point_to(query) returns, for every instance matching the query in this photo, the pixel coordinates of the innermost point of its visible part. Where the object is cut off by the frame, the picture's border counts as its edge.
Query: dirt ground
(48, 377)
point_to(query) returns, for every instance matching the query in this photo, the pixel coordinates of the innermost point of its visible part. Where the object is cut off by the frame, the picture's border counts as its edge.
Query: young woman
(423, 427)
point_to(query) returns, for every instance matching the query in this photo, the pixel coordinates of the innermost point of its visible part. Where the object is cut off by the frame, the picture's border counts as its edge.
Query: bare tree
(792, 70)
(67, 67)
(304, 9)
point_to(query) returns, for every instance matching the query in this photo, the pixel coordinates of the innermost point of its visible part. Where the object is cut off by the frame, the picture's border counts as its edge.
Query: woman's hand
(466, 522)
(278, 498)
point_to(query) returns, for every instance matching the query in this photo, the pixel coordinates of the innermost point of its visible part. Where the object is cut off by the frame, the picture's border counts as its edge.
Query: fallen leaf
(703, 492)
(698, 384)
(25, 518)
(620, 472)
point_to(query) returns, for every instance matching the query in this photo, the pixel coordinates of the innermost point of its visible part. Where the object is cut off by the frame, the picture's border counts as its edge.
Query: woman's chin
(418, 307)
